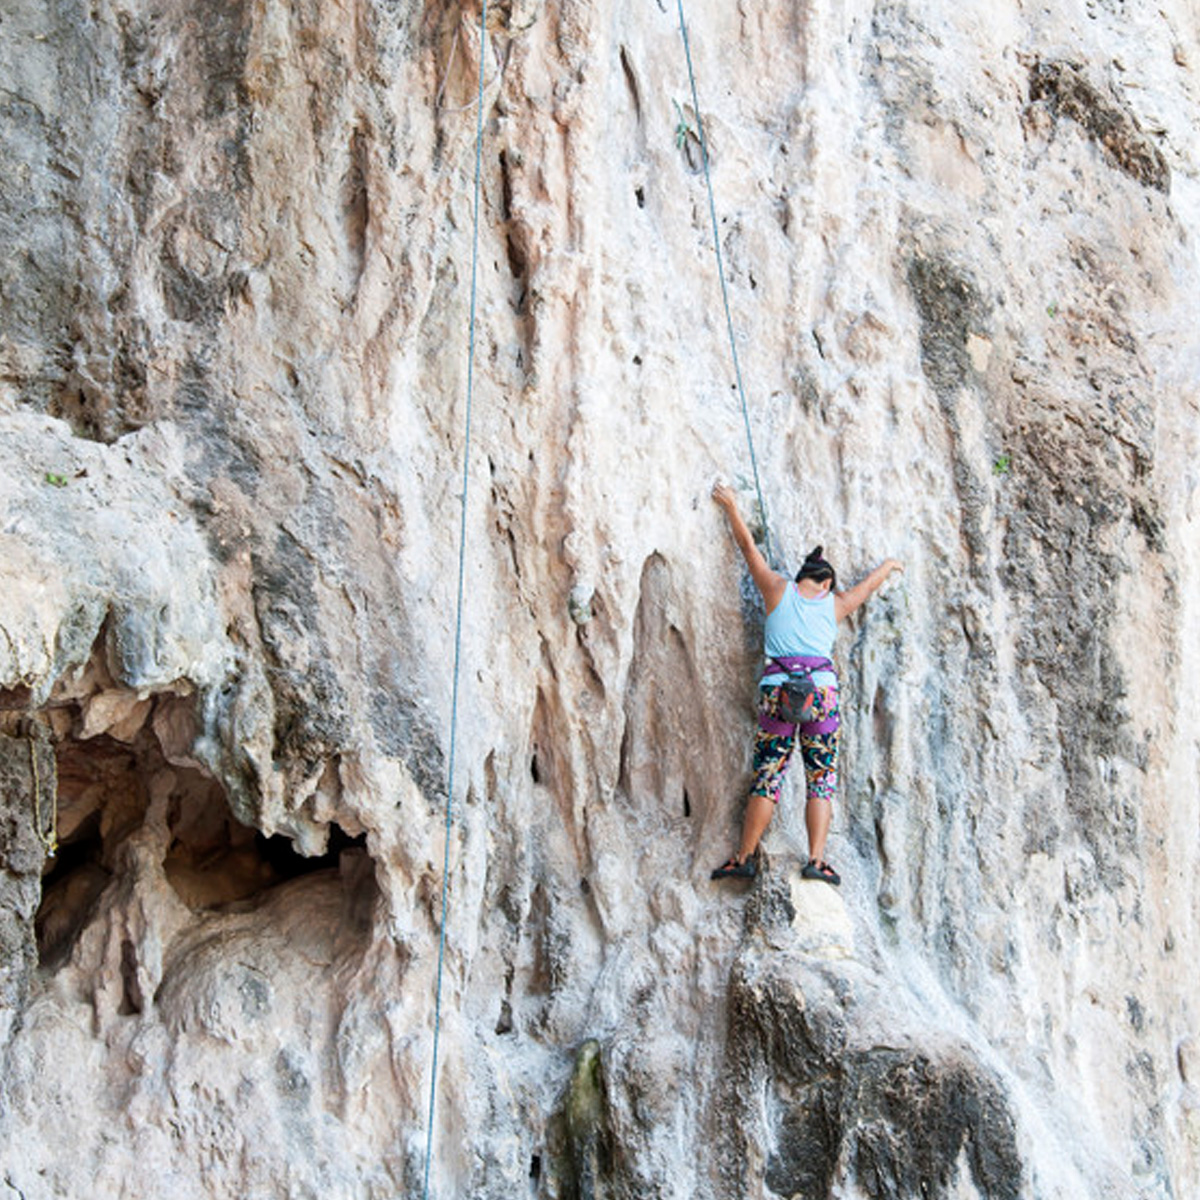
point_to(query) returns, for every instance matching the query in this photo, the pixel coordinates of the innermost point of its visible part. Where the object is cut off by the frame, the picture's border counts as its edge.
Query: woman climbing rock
(802, 619)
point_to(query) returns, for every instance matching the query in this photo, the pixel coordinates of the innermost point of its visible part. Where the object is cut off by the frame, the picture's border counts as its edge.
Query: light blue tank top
(795, 627)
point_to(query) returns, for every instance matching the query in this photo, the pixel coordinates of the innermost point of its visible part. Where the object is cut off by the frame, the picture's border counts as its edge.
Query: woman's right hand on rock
(725, 496)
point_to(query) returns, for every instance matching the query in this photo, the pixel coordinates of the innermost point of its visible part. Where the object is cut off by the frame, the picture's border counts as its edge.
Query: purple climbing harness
(798, 664)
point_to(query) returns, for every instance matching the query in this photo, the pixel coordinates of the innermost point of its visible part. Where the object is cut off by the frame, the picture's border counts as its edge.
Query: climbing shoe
(732, 869)
(820, 870)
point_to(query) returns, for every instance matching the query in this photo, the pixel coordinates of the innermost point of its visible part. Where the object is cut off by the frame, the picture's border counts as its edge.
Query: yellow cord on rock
(48, 838)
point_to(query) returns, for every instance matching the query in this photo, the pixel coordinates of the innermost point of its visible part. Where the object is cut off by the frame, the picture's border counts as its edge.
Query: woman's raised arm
(847, 602)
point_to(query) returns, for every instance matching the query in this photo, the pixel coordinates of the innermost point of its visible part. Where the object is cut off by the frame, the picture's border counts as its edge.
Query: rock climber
(801, 626)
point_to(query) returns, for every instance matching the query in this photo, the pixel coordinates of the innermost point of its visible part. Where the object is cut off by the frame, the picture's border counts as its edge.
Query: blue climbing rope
(712, 212)
(462, 558)
(449, 824)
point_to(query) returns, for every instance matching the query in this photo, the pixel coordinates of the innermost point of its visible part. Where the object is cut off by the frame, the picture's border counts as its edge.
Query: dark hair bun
(816, 568)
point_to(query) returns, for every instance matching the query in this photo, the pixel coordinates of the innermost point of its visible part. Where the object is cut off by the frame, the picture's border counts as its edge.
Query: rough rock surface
(235, 246)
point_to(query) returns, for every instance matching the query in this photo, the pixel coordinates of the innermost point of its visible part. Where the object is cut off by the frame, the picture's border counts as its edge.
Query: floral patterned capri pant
(818, 751)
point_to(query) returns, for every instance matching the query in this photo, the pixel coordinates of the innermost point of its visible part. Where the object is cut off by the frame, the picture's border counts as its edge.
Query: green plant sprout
(1052, 310)
(1002, 465)
(55, 479)
(682, 128)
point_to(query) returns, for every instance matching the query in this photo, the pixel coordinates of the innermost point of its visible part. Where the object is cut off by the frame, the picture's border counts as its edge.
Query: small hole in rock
(640, 193)
(533, 769)
(131, 992)
(687, 803)
(505, 1022)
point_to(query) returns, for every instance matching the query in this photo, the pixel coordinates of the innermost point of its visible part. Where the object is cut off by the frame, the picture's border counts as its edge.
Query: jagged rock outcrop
(235, 247)
(832, 1080)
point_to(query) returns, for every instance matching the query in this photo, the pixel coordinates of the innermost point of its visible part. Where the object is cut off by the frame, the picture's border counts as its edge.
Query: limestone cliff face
(234, 282)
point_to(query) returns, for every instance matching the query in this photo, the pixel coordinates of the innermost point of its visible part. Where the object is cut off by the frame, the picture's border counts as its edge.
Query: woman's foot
(818, 868)
(732, 869)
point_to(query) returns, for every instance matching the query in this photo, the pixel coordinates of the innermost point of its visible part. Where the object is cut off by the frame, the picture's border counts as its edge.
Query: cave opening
(126, 777)
(280, 853)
